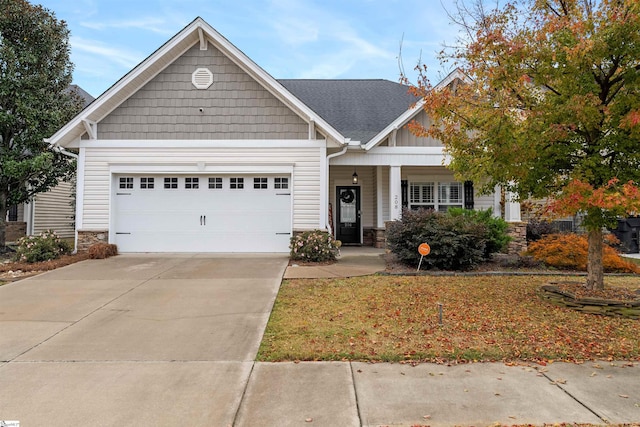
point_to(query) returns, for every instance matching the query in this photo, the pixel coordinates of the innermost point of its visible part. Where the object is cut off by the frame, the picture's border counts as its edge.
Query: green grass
(395, 318)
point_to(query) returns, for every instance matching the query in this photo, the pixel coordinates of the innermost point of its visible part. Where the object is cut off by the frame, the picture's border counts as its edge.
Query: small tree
(35, 74)
(551, 108)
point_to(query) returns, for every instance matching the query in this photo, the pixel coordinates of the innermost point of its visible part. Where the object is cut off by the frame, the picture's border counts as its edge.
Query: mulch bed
(12, 270)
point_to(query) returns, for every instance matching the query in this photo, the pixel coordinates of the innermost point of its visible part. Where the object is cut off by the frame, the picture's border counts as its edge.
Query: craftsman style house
(198, 149)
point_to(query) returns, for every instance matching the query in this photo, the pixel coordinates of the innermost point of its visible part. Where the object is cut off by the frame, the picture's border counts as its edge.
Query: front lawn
(396, 318)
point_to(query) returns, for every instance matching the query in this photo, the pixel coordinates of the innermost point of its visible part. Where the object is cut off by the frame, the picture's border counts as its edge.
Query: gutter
(331, 156)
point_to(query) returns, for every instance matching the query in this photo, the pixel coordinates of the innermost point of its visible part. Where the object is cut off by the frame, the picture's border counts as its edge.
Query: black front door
(348, 215)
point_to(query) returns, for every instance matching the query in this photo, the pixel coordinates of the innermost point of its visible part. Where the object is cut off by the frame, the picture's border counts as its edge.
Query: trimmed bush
(459, 240)
(497, 228)
(570, 251)
(314, 246)
(102, 250)
(43, 247)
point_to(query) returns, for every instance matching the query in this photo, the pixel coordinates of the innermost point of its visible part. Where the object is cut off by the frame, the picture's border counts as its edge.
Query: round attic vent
(202, 78)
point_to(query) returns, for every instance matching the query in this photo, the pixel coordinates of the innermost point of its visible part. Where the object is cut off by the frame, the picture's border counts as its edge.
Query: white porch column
(511, 208)
(395, 193)
(379, 217)
(497, 196)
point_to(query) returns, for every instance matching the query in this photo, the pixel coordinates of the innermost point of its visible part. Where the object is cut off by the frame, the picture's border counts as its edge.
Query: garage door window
(171, 183)
(191, 183)
(281, 183)
(236, 183)
(260, 183)
(126, 182)
(215, 183)
(146, 183)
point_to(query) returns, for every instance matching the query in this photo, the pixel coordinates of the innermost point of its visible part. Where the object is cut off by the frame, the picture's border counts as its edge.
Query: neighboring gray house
(49, 210)
(198, 149)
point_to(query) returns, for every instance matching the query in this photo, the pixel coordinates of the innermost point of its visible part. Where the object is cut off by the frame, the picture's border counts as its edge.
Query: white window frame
(439, 204)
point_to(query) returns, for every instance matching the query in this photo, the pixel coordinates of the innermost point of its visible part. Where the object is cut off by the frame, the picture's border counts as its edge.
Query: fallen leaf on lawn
(559, 381)
(308, 420)
(513, 418)
(426, 417)
(499, 378)
(593, 374)
(597, 366)
(466, 391)
(608, 376)
(624, 396)
(402, 373)
(359, 371)
(496, 394)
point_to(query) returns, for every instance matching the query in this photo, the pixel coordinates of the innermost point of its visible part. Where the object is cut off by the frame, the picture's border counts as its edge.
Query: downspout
(61, 150)
(329, 157)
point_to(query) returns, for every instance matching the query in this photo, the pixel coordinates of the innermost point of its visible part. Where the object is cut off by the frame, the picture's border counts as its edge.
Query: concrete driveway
(135, 339)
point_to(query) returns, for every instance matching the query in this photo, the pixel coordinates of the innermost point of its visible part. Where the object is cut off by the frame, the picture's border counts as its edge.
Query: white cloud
(152, 24)
(107, 53)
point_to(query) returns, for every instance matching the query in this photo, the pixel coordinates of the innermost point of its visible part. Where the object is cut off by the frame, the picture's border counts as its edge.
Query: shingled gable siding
(306, 175)
(404, 138)
(234, 107)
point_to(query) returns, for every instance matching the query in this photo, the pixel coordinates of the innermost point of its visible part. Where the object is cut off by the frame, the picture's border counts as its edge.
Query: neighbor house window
(191, 183)
(449, 195)
(260, 183)
(421, 195)
(236, 183)
(146, 183)
(215, 183)
(171, 183)
(126, 182)
(281, 183)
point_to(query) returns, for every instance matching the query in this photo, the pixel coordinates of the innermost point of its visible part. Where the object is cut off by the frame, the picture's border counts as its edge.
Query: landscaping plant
(570, 251)
(43, 247)
(459, 239)
(314, 246)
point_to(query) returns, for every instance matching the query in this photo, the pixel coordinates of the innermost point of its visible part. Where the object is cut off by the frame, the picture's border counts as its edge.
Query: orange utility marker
(423, 249)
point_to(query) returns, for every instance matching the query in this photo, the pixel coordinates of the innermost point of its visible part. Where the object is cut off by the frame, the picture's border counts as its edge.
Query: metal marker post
(423, 249)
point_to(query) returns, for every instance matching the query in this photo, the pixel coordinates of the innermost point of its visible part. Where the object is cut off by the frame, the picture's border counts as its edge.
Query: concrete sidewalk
(353, 261)
(361, 394)
(162, 340)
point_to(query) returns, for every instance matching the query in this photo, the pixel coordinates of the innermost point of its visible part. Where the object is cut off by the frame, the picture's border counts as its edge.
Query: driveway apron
(135, 339)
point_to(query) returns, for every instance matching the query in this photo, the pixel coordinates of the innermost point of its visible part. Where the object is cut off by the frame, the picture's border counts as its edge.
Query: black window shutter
(468, 194)
(404, 184)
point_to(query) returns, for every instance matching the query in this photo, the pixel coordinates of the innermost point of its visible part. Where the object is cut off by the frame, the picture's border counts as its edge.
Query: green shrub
(459, 240)
(43, 247)
(497, 236)
(314, 246)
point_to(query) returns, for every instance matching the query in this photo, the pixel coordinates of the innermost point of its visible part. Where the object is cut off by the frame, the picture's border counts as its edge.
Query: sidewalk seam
(244, 393)
(355, 393)
(574, 398)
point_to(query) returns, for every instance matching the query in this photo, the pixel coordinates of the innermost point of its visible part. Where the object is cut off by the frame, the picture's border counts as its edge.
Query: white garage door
(201, 213)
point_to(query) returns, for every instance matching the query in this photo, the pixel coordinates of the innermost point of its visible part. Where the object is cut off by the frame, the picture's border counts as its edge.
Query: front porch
(362, 198)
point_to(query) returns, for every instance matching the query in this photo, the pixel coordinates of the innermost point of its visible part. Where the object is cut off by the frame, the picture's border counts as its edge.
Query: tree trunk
(3, 223)
(595, 269)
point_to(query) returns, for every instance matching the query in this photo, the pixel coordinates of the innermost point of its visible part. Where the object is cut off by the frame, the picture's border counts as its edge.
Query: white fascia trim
(120, 85)
(200, 169)
(395, 125)
(231, 143)
(271, 84)
(413, 111)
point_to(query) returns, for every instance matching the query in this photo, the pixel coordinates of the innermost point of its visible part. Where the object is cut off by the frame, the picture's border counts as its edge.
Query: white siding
(53, 211)
(305, 161)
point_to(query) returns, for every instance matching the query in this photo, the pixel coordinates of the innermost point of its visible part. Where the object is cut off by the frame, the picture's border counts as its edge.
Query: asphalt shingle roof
(358, 109)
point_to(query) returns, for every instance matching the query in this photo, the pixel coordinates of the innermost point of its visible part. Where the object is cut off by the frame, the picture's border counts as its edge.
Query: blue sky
(325, 39)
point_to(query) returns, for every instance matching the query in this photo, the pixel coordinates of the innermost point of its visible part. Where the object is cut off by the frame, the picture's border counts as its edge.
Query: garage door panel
(201, 219)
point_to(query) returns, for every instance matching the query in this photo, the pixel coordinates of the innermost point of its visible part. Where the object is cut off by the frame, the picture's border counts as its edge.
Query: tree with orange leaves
(551, 108)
